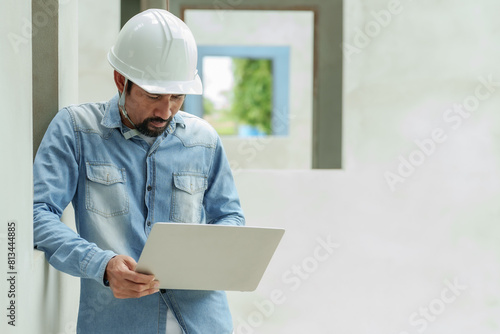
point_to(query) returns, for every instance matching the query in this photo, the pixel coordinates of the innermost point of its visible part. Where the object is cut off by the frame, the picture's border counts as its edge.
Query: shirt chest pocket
(187, 197)
(106, 189)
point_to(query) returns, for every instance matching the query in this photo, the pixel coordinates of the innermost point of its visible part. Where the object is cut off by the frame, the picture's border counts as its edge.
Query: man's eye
(177, 97)
(154, 97)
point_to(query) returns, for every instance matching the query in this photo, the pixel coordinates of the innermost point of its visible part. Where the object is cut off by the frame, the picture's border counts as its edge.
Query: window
(240, 107)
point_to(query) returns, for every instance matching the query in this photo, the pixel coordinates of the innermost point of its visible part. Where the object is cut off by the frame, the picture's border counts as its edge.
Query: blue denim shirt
(119, 189)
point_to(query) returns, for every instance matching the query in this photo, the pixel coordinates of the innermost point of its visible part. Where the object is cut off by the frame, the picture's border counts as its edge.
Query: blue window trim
(280, 57)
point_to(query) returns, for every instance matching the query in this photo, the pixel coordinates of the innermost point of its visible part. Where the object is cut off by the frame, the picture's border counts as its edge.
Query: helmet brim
(192, 87)
(156, 86)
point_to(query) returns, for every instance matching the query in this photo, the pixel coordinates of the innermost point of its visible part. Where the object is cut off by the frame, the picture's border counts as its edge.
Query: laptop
(208, 257)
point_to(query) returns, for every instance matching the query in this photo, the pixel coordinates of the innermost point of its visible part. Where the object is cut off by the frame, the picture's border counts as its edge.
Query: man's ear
(119, 81)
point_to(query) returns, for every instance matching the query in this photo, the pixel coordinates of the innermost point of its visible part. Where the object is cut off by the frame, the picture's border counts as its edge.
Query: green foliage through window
(252, 99)
(243, 104)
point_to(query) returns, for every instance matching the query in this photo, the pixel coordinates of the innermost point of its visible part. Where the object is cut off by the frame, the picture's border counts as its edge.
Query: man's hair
(129, 86)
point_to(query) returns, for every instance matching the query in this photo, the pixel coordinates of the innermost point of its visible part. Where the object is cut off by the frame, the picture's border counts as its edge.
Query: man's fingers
(128, 294)
(126, 283)
(131, 290)
(130, 262)
(122, 266)
(138, 287)
(138, 278)
(128, 289)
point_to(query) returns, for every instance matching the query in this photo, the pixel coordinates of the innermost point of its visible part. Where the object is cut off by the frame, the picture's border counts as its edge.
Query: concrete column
(131, 7)
(45, 15)
(128, 8)
(162, 4)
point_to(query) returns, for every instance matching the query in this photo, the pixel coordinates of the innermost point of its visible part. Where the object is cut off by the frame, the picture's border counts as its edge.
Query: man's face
(151, 113)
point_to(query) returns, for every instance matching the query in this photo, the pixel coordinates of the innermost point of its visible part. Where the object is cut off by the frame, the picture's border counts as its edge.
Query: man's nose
(163, 108)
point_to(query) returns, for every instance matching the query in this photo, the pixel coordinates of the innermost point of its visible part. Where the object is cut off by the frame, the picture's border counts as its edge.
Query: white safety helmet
(157, 51)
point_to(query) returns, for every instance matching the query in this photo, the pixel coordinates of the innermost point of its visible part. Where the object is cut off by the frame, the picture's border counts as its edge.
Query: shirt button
(149, 188)
(163, 290)
(149, 222)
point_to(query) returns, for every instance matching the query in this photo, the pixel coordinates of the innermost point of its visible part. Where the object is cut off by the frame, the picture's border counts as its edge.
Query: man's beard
(145, 129)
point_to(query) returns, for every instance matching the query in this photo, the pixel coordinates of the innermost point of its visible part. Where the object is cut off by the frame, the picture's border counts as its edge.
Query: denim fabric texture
(119, 189)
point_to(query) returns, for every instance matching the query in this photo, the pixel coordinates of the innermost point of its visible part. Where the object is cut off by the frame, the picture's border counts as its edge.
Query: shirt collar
(177, 120)
(112, 119)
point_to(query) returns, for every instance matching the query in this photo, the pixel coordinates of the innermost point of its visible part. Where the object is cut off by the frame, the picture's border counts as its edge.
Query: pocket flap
(190, 183)
(105, 173)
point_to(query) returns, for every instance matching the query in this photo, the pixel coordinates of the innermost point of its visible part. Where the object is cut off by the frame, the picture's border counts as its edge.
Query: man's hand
(125, 282)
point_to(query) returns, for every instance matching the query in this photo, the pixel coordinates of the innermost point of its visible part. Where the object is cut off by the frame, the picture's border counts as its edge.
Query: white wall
(399, 250)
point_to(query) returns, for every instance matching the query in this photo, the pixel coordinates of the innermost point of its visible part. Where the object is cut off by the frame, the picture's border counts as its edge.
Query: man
(125, 165)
